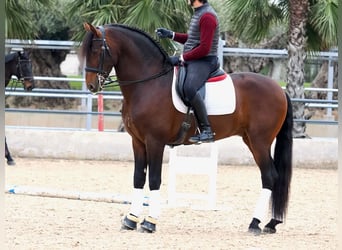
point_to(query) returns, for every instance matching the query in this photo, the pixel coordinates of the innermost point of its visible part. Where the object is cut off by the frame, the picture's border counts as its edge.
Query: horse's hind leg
(262, 156)
(8, 156)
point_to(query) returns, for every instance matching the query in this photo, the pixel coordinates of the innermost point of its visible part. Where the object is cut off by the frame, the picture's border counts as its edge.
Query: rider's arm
(208, 24)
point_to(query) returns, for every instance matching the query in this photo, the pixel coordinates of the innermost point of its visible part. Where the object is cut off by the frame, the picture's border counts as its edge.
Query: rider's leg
(197, 74)
(206, 134)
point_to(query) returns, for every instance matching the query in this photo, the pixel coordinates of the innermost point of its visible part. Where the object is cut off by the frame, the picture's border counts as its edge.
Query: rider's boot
(206, 134)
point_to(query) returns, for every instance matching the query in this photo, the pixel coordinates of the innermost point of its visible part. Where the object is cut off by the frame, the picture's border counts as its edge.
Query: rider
(200, 57)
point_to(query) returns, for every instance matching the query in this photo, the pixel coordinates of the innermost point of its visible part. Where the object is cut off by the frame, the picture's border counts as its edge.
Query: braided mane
(145, 34)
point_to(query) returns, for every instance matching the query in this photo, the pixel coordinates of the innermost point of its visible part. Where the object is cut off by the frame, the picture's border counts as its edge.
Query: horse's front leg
(140, 166)
(155, 155)
(8, 156)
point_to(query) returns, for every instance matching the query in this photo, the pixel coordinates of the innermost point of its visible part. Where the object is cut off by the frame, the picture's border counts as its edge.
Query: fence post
(220, 51)
(330, 85)
(89, 109)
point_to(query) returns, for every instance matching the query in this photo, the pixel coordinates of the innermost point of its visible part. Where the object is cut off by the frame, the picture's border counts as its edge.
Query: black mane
(89, 37)
(10, 57)
(16, 56)
(144, 33)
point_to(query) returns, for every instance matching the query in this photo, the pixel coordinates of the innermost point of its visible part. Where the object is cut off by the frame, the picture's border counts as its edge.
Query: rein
(104, 79)
(117, 82)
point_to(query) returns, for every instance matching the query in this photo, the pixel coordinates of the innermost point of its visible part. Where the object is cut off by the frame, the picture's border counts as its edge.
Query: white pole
(74, 195)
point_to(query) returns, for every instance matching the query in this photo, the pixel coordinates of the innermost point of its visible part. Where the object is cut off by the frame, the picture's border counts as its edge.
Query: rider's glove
(176, 60)
(164, 33)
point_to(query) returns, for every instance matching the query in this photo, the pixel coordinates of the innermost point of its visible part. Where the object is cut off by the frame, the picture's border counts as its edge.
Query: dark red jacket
(208, 24)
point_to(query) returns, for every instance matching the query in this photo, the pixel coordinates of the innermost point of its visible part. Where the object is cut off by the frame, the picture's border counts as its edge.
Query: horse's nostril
(91, 87)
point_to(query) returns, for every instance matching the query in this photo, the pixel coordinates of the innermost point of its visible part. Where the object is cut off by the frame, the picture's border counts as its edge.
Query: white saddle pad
(219, 97)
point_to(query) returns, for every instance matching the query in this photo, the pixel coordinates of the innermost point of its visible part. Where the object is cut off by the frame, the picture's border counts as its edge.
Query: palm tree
(312, 25)
(296, 55)
(41, 19)
(144, 14)
(18, 18)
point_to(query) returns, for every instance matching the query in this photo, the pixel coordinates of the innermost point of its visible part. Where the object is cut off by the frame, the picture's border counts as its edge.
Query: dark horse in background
(18, 64)
(144, 73)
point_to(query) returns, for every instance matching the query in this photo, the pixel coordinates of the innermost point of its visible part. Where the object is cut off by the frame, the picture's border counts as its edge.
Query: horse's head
(24, 71)
(99, 61)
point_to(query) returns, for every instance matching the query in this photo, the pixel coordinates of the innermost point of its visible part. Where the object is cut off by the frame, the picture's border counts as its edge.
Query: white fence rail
(87, 97)
(87, 101)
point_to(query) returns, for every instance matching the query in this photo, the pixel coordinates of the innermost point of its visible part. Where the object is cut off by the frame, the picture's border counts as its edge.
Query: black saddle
(180, 82)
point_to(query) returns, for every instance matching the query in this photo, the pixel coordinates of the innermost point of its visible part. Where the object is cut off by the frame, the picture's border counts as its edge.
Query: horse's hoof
(255, 231)
(148, 225)
(268, 230)
(270, 227)
(11, 162)
(129, 222)
(254, 227)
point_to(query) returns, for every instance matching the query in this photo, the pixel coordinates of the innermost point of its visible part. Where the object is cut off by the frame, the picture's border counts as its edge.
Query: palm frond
(323, 20)
(252, 19)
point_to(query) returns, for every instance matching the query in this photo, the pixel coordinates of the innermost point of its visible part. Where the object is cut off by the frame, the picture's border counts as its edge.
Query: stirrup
(204, 136)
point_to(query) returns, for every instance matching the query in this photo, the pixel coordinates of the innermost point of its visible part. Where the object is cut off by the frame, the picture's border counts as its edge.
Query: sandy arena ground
(33, 222)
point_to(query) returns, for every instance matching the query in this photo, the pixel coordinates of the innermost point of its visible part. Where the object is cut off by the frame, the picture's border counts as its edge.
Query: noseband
(103, 76)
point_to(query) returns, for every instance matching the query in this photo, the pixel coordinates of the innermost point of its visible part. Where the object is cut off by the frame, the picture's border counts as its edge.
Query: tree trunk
(295, 66)
(256, 64)
(46, 62)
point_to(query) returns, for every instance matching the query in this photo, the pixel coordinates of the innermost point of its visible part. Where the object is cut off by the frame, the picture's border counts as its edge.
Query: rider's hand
(164, 33)
(176, 60)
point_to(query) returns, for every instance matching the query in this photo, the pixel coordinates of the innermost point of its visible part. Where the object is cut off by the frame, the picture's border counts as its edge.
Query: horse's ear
(89, 27)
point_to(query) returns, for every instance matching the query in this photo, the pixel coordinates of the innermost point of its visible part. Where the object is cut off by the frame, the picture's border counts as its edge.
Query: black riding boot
(206, 135)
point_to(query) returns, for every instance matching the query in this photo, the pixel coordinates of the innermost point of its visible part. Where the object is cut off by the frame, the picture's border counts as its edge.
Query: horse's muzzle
(93, 87)
(28, 84)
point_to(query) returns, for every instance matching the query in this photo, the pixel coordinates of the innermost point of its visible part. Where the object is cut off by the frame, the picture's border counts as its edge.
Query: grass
(75, 85)
(306, 84)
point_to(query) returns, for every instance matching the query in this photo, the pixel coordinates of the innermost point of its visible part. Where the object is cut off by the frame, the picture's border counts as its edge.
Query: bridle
(103, 76)
(21, 75)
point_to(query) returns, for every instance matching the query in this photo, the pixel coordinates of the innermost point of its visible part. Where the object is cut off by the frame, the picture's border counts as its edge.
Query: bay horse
(18, 64)
(144, 73)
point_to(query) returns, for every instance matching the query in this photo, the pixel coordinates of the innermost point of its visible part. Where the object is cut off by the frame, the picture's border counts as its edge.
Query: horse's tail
(283, 165)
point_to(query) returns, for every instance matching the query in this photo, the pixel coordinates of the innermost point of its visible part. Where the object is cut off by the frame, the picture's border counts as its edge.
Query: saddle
(216, 75)
(218, 97)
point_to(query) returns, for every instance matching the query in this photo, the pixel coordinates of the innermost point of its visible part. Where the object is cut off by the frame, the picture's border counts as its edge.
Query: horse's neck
(137, 63)
(148, 88)
(10, 70)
